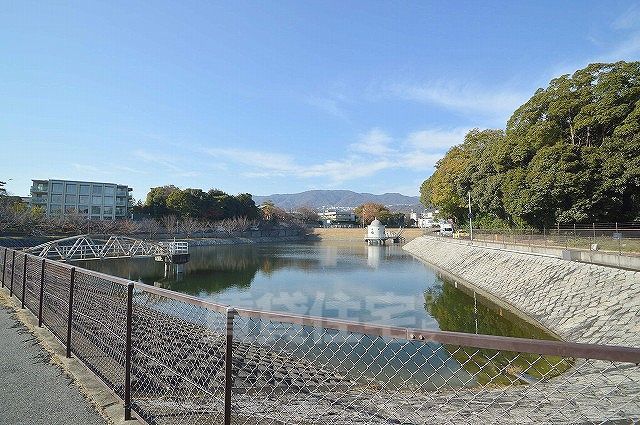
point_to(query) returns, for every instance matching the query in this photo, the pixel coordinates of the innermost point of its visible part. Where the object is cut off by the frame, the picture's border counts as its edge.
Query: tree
(570, 154)
(308, 215)
(156, 201)
(370, 210)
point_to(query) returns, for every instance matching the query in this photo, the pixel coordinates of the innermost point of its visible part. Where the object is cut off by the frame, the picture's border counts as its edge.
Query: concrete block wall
(579, 302)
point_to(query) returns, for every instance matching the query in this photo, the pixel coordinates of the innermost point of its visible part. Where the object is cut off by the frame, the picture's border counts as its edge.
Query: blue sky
(280, 96)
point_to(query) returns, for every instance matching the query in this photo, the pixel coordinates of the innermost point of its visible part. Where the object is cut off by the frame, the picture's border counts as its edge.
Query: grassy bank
(357, 234)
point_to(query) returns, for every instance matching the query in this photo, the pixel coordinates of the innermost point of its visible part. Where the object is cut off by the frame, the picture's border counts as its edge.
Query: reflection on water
(352, 281)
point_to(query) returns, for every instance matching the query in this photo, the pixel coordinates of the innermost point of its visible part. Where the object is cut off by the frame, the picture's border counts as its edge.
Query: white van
(446, 229)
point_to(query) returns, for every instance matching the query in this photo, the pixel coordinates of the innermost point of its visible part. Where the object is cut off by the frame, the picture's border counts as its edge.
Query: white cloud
(466, 98)
(628, 49)
(374, 142)
(374, 152)
(629, 19)
(437, 140)
(328, 105)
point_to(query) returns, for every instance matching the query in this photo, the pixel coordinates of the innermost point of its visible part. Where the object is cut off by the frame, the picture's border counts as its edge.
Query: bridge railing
(178, 359)
(175, 247)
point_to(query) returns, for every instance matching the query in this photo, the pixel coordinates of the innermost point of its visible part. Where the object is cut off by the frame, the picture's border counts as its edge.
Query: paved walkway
(35, 391)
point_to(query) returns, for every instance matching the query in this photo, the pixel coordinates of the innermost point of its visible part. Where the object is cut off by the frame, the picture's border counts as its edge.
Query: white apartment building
(335, 217)
(425, 219)
(97, 201)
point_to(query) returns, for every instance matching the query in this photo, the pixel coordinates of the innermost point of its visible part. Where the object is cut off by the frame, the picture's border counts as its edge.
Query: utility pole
(470, 218)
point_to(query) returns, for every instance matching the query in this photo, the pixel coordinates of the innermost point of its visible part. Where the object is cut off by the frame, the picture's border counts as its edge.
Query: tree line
(197, 204)
(570, 154)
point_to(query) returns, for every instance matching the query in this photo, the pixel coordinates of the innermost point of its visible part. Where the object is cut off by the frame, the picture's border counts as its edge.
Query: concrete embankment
(579, 302)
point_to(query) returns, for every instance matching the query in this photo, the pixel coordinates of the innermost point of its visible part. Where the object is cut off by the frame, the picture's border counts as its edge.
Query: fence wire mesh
(18, 274)
(177, 360)
(293, 374)
(3, 263)
(32, 284)
(289, 369)
(55, 304)
(99, 327)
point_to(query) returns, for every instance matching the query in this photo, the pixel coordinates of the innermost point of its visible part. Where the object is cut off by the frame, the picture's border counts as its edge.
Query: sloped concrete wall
(579, 302)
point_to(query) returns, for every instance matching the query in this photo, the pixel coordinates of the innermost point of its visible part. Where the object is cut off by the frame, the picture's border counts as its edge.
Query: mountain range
(319, 199)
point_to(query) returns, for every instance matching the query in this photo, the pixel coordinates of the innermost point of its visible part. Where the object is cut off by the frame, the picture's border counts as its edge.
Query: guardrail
(175, 247)
(174, 359)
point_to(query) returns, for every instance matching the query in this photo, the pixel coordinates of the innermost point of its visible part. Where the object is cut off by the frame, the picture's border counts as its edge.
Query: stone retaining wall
(579, 302)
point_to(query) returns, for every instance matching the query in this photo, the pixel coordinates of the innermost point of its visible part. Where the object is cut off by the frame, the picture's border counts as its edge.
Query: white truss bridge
(86, 247)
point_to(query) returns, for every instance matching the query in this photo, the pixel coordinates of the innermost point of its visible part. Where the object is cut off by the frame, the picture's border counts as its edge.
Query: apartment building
(97, 201)
(338, 218)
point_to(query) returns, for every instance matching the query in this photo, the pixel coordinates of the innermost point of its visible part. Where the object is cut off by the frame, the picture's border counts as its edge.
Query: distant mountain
(339, 198)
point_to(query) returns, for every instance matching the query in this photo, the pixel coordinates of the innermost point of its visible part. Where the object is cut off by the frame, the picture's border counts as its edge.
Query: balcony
(40, 188)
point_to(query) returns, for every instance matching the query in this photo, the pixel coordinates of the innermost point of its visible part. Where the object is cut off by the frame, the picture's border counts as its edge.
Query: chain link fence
(177, 359)
(623, 239)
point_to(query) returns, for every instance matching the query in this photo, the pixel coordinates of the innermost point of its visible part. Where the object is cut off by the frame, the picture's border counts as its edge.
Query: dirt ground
(357, 234)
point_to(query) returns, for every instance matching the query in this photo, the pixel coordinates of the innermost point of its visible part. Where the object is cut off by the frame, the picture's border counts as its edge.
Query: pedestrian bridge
(86, 247)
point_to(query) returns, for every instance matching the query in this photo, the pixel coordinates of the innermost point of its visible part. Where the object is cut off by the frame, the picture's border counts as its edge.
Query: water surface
(352, 281)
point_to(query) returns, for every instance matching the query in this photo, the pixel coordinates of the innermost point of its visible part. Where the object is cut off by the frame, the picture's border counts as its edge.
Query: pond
(346, 280)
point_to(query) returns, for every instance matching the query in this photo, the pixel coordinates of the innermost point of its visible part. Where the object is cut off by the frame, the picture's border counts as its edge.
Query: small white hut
(375, 233)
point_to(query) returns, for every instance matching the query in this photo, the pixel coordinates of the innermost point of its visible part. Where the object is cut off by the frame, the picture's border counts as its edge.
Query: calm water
(375, 284)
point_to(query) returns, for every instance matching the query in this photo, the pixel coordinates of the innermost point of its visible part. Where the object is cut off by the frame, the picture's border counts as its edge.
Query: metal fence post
(4, 265)
(70, 315)
(44, 262)
(24, 278)
(228, 367)
(127, 357)
(13, 264)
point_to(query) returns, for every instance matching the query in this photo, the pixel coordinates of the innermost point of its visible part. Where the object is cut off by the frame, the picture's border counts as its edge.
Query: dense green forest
(196, 203)
(570, 154)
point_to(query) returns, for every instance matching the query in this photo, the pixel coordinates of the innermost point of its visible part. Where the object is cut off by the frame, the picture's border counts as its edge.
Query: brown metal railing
(173, 358)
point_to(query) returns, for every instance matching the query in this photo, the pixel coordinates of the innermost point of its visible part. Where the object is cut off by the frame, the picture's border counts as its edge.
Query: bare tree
(170, 223)
(127, 227)
(150, 226)
(190, 225)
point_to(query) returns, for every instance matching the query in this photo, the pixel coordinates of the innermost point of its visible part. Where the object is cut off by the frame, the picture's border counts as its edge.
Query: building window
(83, 199)
(96, 200)
(56, 188)
(85, 189)
(107, 211)
(97, 190)
(55, 208)
(95, 210)
(109, 190)
(121, 201)
(122, 191)
(69, 199)
(56, 199)
(83, 209)
(120, 211)
(71, 188)
(108, 200)
(70, 209)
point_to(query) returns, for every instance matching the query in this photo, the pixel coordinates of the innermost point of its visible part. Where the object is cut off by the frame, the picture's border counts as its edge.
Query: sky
(277, 96)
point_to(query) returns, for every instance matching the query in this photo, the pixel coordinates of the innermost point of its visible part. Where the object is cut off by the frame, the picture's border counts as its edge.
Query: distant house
(424, 219)
(338, 218)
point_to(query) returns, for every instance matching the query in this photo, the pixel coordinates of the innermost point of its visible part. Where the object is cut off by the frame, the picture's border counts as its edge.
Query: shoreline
(357, 234)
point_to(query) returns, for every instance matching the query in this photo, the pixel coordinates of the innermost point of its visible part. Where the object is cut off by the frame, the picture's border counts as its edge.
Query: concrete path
(35, 391)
